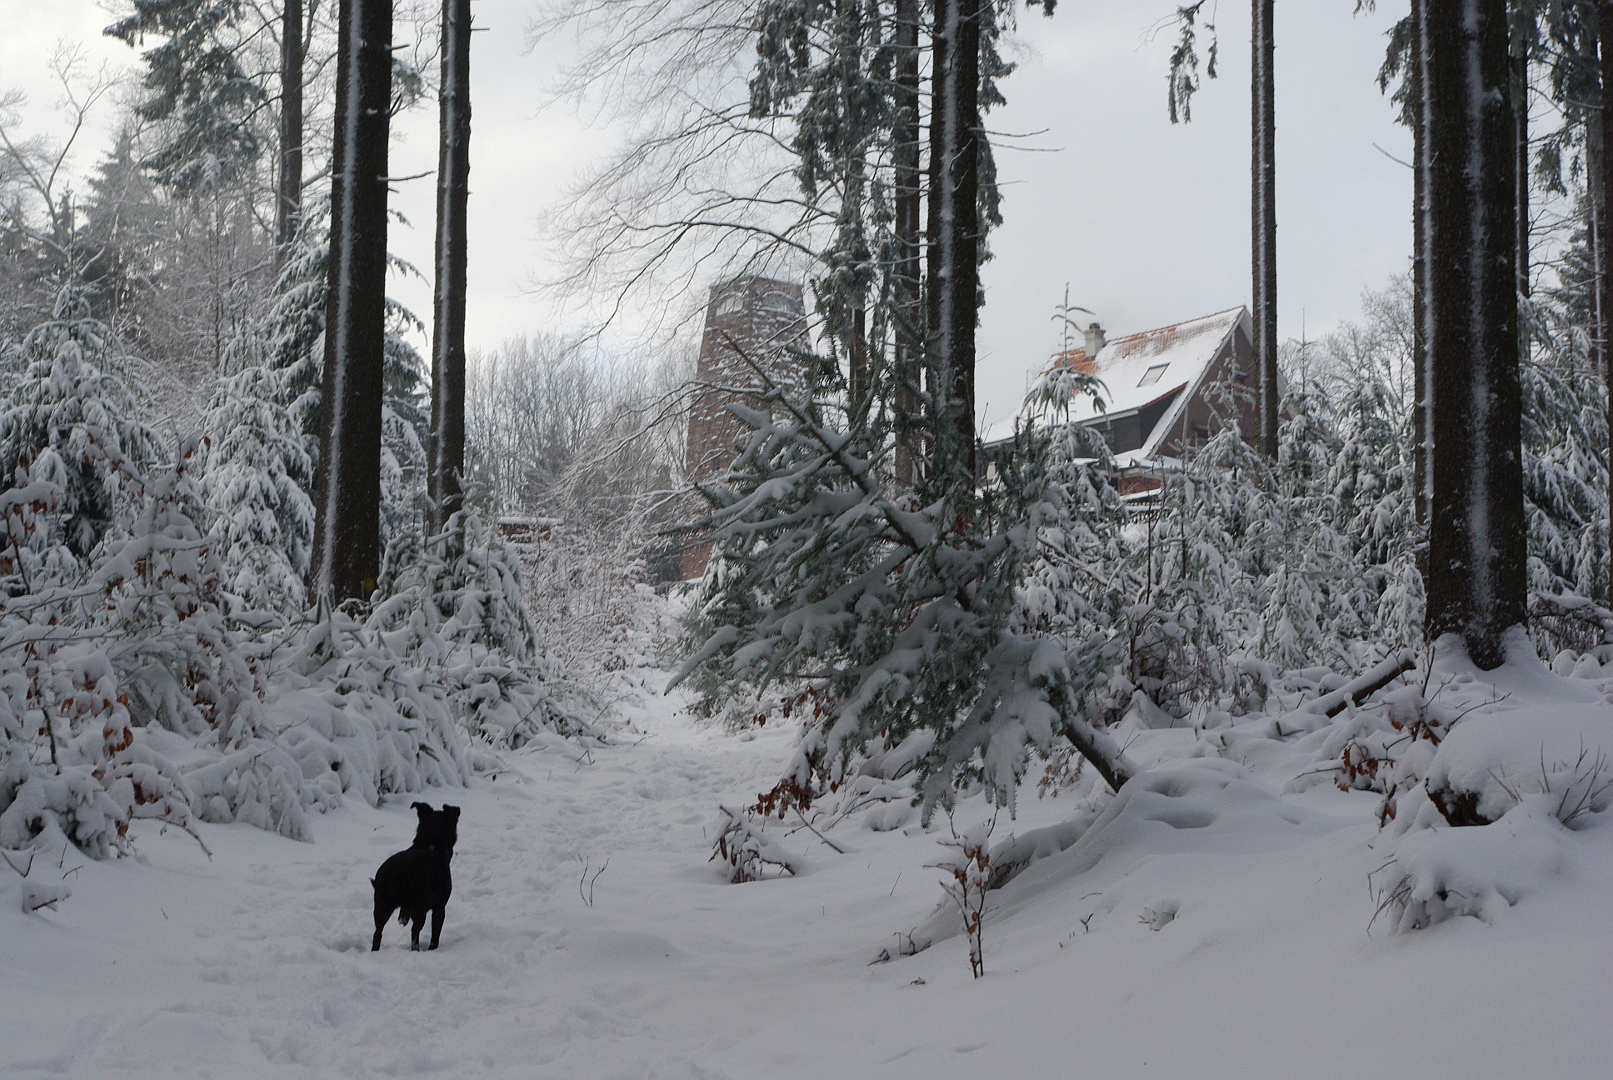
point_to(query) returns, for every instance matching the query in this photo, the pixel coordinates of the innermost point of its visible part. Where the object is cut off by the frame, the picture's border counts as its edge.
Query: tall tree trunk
(1475, 580)
(288, 205)
(1604, 278)
(851, 38)
(955, 230)
(1263, 218)
(1419, 262)
(448, 323)
(1595, 235)
(934, 385)
(1523, 33)
(347, 531)
(909, 343)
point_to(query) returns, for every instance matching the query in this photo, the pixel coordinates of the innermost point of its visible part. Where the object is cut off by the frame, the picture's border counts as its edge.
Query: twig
(588, 897)
(838, 849)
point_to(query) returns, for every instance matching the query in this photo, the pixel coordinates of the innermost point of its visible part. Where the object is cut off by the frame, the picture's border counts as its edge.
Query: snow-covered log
(1366, 684)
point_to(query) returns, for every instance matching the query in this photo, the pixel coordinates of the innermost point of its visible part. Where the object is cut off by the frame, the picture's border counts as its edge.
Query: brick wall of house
(751, 322)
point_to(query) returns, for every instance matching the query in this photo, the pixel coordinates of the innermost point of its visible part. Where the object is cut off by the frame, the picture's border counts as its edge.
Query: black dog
(415, 881)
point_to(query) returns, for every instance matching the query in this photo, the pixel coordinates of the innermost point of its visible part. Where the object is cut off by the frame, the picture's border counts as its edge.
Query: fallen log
(1364, 685)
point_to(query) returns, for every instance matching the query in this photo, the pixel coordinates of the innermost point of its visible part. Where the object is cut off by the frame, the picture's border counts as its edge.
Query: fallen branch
(838, 849)
(1364, 685)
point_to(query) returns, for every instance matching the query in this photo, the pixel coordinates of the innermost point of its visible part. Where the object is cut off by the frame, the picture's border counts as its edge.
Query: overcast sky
(1148, 223)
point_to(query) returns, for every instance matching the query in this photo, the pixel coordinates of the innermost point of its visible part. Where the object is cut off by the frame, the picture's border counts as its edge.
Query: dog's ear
(450, 812)
(422, 808)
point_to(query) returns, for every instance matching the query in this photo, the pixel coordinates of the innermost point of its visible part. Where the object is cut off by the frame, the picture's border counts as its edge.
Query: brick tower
(749, 318)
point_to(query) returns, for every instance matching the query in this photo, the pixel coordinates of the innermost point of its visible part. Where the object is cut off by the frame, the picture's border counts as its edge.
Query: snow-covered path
(258, 960)
(257, 963)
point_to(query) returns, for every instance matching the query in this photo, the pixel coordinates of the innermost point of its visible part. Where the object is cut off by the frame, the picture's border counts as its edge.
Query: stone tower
(749, 320)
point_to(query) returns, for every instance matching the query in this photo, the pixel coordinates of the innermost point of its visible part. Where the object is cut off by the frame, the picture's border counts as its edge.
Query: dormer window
(732, 304)
(1152, 375)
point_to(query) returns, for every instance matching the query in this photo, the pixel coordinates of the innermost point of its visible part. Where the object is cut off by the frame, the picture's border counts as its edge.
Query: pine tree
(71, 406)
(1183, 82)
(900, 610)
(405, 461)
(256, 484)
(447, 442)
(1564, 470)
(1264, 219)
(287, 339)
(347, 540)
(200, 95)
(906, 296)
(954, 232)
(288, 201)
(1605, 290)
(1476, 558)
(122, 218)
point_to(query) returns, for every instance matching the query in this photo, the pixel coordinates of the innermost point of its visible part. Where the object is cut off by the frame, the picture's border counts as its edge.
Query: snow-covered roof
(1142, 369)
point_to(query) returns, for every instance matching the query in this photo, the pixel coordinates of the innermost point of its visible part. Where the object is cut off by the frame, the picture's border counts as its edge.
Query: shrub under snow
(139, 677)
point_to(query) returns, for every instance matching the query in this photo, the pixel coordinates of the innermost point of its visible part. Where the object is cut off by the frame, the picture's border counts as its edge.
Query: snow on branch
(900, 606)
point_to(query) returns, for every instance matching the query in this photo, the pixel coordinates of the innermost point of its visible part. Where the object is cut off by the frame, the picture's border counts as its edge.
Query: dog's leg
(414, 930)
(436, 924)
(382, 914)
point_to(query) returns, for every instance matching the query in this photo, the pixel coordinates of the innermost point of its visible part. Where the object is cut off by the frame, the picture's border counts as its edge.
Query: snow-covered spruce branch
(1575, 610)
(902, 611)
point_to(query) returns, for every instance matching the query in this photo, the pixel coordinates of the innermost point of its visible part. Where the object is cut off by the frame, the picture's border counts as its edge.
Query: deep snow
(1212, 927)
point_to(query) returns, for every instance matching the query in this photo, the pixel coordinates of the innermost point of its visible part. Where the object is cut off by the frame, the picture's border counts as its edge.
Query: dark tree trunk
(1604, 280)
(934, 386)
(347, 532)
(288, 204)
(909, 343)
(955, 230)
(1475, 580)
(1263, 218)
(1523, 32)
(1595, 229)
(1419, 260)
(448, 323)
(850, 42)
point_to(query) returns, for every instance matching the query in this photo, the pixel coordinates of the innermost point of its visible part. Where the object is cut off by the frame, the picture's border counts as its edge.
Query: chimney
(1095, 342)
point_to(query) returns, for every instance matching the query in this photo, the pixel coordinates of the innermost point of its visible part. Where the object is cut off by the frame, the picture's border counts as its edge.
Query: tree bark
(1594, 230)
(347, 536)
(1264, 220)
(1604, 280)
(448, 324)
(1523, 32)
(1475, 581)
(1419, 263)
(909, 312)
(288, 204)
(955, 230)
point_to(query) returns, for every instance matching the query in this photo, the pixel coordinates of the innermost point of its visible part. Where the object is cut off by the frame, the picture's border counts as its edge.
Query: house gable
(1163, 391)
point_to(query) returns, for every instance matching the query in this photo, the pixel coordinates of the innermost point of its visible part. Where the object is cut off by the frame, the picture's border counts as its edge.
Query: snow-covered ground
(1210, 927)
